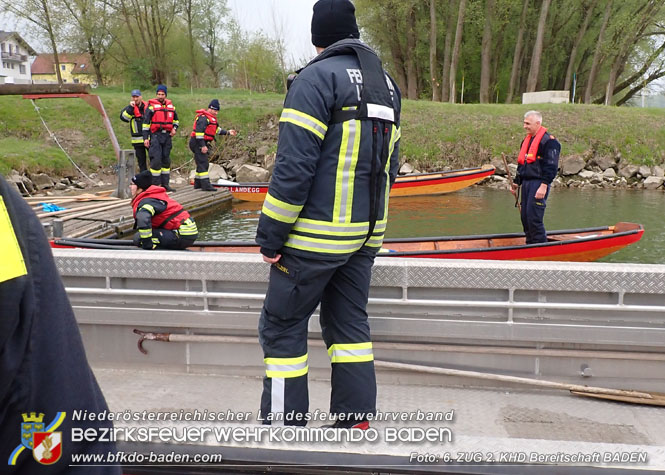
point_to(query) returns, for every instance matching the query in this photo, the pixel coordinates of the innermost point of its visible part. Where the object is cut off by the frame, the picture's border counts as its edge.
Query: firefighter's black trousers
(533, 212)
(296, 287)
(160, 155)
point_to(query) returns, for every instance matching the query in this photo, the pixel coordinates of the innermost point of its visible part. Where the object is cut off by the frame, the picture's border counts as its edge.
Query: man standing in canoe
(537, 166)
(324, 218)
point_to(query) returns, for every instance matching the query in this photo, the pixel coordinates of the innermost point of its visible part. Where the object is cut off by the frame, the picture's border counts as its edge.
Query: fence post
(125, 172)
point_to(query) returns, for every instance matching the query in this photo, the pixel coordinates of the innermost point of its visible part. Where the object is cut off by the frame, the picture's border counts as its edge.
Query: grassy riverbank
(433, 134)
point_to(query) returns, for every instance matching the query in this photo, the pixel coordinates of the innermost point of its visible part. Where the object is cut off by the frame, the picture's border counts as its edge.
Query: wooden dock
(98, 215)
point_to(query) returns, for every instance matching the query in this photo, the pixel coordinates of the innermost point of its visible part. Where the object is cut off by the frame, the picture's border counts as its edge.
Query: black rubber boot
(157, 180)
(166, 177)
(197, 183)
(206, 185)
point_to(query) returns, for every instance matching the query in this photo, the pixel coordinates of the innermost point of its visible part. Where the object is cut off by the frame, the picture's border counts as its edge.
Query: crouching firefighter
(161, 221)
(324, 219)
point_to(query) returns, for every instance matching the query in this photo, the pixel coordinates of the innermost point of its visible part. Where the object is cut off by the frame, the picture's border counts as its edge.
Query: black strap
(375, 187)
(161, 225)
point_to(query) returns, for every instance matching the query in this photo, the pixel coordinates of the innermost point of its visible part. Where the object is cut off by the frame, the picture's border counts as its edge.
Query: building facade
(14, 59)
(74, 69)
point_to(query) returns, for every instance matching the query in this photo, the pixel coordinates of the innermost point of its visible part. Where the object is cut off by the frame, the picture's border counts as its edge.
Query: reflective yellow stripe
(165, 170)
(351, 352)
(280, 210)
(286, 367)
(145, 233)
(154, 172)
(305, 121)
(346, 171)
(137, 140)
(149, 208)
(329, 228)
(202, 174)
(199, 135)
(326, 246)
(12, 264)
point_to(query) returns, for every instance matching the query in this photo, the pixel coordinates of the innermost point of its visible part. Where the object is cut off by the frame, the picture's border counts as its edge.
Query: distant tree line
(143, 42)
(497, 49)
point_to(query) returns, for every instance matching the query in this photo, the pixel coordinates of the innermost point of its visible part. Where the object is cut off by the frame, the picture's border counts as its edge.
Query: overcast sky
(292, 16)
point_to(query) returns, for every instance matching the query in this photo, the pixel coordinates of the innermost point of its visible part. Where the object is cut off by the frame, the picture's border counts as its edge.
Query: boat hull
(578, 245)
(435, 183)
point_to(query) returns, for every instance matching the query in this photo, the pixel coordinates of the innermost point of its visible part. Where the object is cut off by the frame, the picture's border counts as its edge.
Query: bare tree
(643, 18)
(486, 53)
(534, 70)
(411, 72)
(149, 23)
(436, 96)
(279, 39)
(595, 62)
(212, 19)
(91, 22)
(445, 77)
(517, 56)
(578, 40)
(456, 50)
(190, 9)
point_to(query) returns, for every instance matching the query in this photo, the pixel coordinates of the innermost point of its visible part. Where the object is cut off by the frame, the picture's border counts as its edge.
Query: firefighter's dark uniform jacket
(206, 128)
(318, 203)
(531, 173)
(153, 210)
(546, 165)
(43, 367)
(326, 212)
(134, 115)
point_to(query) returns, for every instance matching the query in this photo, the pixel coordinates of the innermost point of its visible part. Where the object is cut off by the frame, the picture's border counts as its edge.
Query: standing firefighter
(133, 114)
(537, 165)
(204, 130)
(161, 221)
(324, 218)
(160, 123)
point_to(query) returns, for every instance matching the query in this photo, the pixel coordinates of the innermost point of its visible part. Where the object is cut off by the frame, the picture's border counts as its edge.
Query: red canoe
(581, 245)
(434, 183)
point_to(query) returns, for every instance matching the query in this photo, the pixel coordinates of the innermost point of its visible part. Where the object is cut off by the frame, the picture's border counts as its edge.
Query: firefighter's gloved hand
(147, 244)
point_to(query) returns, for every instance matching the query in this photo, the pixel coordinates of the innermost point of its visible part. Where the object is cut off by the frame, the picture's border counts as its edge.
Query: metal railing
(519, 305)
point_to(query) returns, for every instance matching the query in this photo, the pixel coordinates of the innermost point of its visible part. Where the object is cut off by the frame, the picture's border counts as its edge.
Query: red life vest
(173, 208)
(533, 149)
(162, 117)
(211, 129)
(137, 111)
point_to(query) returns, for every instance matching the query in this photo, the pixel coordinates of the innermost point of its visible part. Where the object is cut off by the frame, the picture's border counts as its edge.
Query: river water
(481, 210)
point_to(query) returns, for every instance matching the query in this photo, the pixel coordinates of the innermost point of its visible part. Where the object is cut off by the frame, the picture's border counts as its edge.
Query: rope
(57, 142)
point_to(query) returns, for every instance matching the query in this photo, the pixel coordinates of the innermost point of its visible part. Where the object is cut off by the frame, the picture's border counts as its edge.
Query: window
(10, 49)
(64, 80)
(62, 66)
(76, 81)
(21, 69)
(2, 46)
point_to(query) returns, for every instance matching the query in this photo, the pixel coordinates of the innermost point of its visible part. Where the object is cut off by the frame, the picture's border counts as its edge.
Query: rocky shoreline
(574, 172)
(601, 172)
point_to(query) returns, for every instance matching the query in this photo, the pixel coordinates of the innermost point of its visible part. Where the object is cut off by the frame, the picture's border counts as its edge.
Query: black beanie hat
(333, 20)
(214, 105)
(143, 180)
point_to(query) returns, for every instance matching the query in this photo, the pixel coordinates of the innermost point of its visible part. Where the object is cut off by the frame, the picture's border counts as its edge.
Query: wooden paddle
(518, 205)
(623, 395)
